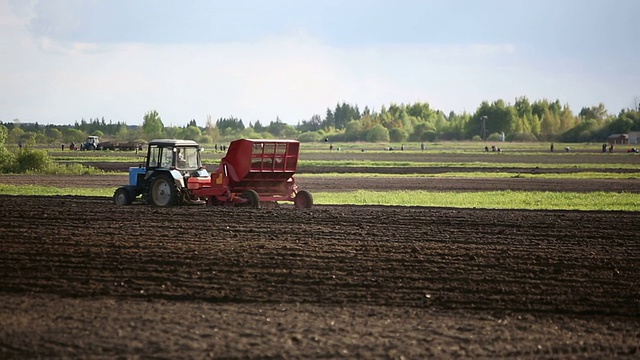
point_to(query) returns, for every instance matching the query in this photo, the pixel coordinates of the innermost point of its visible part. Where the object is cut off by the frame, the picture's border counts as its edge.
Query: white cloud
(293, 77)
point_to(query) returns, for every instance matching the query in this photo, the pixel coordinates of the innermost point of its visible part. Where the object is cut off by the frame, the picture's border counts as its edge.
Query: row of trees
(541, 120)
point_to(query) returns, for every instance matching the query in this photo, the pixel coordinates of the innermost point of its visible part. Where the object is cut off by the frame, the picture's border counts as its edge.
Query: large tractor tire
(122, 197)
(163, 192)
(303, 200)
(252, 197)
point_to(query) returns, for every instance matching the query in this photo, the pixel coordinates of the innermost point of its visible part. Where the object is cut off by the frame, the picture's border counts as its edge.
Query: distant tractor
(91, 143)
(94, 143)
(253, 173)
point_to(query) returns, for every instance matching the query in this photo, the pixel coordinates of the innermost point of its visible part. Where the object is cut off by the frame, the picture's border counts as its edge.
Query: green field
(535, 200)
(462, 160)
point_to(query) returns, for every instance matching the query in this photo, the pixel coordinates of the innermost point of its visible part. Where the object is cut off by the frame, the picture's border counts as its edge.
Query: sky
(66, 60)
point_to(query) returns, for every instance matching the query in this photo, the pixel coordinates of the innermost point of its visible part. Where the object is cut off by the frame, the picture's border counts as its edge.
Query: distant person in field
(551, 147)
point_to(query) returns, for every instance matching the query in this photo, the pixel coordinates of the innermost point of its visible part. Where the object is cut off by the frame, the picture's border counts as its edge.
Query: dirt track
(84, 278)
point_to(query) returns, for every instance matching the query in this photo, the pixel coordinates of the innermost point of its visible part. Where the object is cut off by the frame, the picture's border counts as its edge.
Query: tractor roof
(274, 140)
(266, 141)
(172, 142)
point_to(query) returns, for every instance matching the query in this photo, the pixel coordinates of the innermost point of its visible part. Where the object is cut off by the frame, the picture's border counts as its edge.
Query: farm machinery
(253, 173)
(94, 143)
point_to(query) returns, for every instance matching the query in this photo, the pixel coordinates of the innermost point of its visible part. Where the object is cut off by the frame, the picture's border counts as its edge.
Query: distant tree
(211, 130)
(4, 133)
(598, 113)
(310, 136)
(329, 120)
(548, 125)
(345, 113)
(398, 135)
(378, 133)
(73, 135)
(276, 128)
(122, 132)
(585, 131)
(627, 120)
(172, 132)
(205, 139)
(229, 125)
(500, 117)
(152, 125)
(191, 132)
(53, 134)
(289, 132)
(314, 124)
(258, 127)
(16, 135)
(429, 135)
(566, 120)
(353, 131)
(420, 129)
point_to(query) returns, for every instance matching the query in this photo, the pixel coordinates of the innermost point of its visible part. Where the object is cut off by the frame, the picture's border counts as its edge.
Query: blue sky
(64, 60)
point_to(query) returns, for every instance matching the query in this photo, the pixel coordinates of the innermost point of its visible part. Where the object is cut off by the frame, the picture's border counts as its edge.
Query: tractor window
(154, 157)
(187, 157)
(166, 158)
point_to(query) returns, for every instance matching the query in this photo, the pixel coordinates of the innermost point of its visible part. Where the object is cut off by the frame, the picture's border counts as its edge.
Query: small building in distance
(616, 139)
(634, 137)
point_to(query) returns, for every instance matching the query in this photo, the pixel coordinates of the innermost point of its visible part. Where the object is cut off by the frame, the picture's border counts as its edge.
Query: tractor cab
(170, 154)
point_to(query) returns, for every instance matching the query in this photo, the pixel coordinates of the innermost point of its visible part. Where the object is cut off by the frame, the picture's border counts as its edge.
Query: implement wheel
(303, 200)
(122, 197)
(252, 197)
(163, 191)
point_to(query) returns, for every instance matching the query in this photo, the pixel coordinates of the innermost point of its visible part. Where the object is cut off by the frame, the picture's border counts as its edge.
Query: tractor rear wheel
(163, 191)
(303, 200)
(122, 197)
(252, 197)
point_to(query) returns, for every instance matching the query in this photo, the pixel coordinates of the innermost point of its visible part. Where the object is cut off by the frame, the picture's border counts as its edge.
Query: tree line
(522, 120)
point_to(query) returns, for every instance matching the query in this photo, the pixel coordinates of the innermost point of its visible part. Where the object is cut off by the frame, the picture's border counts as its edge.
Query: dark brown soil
(82, 278)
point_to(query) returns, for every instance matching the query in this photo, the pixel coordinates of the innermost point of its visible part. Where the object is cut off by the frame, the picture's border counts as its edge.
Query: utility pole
(484, 128)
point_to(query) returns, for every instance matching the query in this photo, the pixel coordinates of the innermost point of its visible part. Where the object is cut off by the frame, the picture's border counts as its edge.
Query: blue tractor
(163, 178)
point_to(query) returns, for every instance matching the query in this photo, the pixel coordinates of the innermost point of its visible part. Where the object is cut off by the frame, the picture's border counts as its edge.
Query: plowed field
(82, 278)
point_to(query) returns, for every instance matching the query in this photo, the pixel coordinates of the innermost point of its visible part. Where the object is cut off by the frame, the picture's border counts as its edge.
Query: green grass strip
(482, 175)
(478, 164)
(534, 200)
(52, 191)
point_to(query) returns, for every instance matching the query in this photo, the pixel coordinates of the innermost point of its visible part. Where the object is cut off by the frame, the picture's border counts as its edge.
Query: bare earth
(82, 278)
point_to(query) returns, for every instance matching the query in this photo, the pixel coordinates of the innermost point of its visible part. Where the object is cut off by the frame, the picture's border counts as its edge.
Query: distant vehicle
(93, 143)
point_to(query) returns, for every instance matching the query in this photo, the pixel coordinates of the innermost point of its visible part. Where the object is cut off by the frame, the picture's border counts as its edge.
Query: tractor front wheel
(122, 197)
(303, 200)
(163, 191)
(252, 197)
